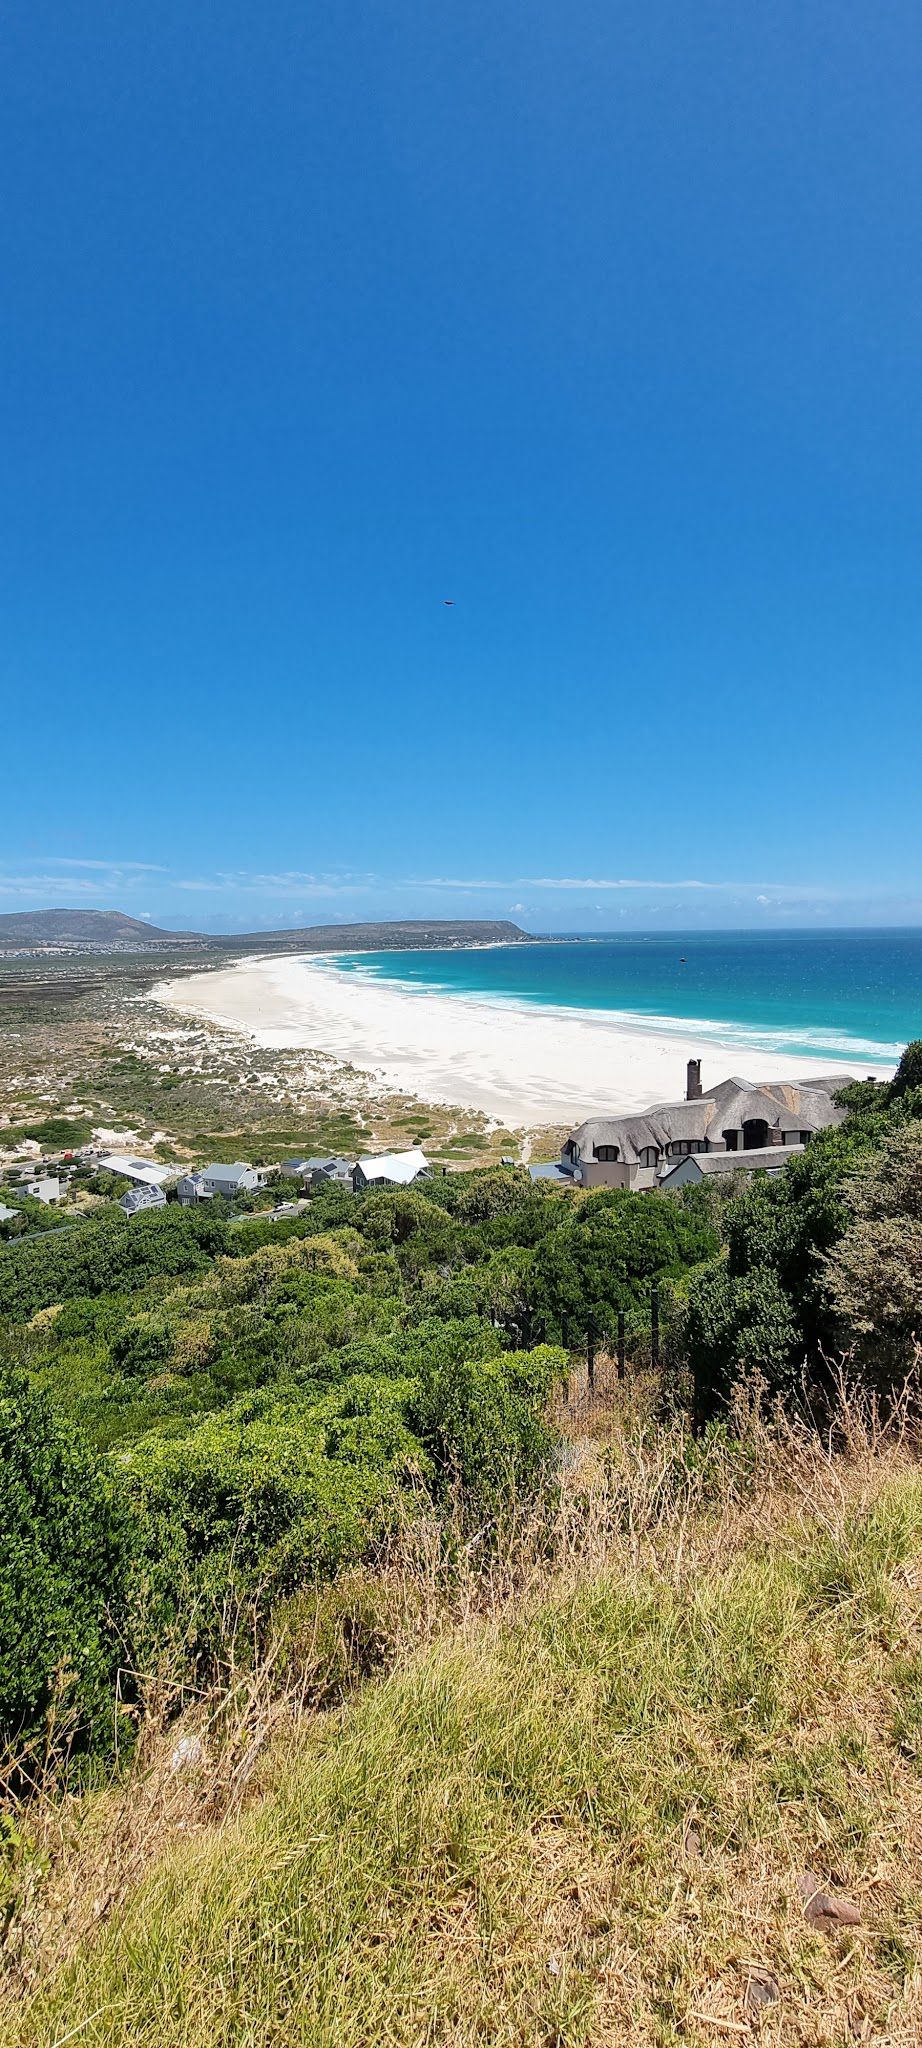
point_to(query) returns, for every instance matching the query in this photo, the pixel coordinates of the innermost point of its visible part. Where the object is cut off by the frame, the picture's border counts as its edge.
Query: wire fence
(606, 1351)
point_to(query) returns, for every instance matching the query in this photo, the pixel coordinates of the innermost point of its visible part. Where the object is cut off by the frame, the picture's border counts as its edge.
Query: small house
(150, 1173)
(391, 1170)
(141, 1198)
(231, 1181)
(313, 1172)
(698, 1166)
(47, 1189)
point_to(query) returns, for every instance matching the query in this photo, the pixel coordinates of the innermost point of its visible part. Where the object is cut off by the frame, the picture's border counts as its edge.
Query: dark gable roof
(782, 1105)
(770, 1157)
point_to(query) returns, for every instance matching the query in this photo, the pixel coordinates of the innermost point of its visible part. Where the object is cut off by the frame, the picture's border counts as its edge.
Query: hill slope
(110, 930)
(404, 933)
(99, 928)
(595, 1817)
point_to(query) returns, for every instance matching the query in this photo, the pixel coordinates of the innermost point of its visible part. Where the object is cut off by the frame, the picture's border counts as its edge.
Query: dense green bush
(908, 1075)
(605, 1256)
(66, 1549)
(735, 1328)
(874, 1273)
(482, 1420)
(274, 1489)
(107, 1256)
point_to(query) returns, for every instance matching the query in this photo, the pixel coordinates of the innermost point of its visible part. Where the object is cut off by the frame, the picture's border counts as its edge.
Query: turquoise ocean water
(850, 996)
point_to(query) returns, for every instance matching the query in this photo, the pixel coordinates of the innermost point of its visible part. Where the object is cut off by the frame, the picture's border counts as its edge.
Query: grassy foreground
(576, 1809)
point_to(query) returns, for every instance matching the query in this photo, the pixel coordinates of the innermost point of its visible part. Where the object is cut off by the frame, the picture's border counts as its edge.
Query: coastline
(522, 1065)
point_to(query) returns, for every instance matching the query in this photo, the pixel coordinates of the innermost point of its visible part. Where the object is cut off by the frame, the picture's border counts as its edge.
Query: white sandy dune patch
(517, 1062)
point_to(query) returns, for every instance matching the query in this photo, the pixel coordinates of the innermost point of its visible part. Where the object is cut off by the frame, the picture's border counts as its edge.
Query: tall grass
(559, 1789)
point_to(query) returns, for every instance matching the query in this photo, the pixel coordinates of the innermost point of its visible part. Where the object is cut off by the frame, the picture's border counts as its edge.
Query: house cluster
(150, 1181)
(737, 1124)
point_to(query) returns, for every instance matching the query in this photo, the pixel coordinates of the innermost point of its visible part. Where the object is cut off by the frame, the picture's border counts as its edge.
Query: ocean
(851, 996)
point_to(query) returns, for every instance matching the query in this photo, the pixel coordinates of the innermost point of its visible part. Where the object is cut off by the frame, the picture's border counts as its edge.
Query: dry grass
(573, 1806)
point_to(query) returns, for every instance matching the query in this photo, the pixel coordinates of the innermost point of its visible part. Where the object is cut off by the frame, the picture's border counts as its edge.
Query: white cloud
(112, 867)
(791, 891)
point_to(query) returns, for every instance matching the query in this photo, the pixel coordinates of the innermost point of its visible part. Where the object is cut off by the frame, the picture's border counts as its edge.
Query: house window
(681, 1147)
(608, 1153)
(649, 1155)
(731, 1140)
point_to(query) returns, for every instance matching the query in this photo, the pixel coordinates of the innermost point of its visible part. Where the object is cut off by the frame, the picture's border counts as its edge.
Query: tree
(909, 1072)
(605, 1256)
(737, 1328)
(874, 1274)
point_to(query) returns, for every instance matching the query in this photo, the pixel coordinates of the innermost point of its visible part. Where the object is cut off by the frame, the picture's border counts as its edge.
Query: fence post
(620, 1343)
(565, 1331)
(590, 1350)
(654, 1326)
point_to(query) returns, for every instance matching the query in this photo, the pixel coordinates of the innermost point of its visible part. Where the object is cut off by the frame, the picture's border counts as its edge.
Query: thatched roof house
(739, 1117)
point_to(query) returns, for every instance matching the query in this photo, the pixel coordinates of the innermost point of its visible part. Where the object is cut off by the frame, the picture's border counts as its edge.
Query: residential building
(391, 1170)
(229, 1181)
(703, 1165)
(139, 1198)
(8, 1215)
(47, 1189)
(737, 1117)
(315, 1170)
(190, 1188)
(145, 1172)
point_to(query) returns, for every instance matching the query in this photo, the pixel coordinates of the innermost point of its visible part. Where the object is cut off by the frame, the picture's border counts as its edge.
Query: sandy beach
(522, 1065)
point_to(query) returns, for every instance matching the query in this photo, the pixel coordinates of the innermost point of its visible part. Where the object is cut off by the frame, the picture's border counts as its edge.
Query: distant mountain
(109, 931)
(406, 934)
(98, 928)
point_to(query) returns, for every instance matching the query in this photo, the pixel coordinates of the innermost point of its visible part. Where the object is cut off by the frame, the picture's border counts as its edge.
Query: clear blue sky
(603, 320)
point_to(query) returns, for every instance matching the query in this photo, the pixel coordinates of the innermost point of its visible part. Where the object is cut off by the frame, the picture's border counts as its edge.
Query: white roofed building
(391, 1170)
(149, 1173)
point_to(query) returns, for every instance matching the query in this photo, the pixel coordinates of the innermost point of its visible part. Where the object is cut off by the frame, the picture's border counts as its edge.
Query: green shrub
(107, 1256)
(605, 1256)
(67, 1552)
(275, 1489)
(737, 1328)
(482, 1420)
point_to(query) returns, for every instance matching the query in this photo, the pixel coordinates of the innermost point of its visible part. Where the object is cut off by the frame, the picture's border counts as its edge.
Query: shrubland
(502, 1727)
(251, 1399)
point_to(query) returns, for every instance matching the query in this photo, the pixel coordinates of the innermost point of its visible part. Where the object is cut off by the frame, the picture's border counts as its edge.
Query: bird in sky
(448, 600)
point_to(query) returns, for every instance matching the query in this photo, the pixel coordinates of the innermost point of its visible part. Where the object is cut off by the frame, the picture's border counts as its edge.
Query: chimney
(693, 1081)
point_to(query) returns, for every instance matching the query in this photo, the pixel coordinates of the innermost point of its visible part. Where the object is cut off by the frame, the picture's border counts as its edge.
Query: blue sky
(604, 321)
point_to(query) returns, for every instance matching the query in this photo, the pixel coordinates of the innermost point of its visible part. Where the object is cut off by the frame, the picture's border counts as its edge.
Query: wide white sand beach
(522, 1064)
